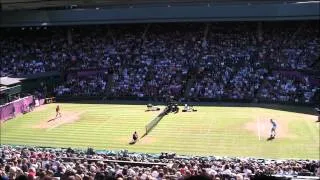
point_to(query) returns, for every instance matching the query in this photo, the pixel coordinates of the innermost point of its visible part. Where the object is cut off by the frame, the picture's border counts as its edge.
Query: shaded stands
(12, 88)
(9, 87)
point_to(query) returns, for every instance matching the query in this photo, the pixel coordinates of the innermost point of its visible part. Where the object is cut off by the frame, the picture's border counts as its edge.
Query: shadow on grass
(270, 138)
(51, 119)
(154, 122)
(134, 142)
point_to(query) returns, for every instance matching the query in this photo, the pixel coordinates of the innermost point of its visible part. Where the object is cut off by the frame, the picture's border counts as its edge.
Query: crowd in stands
(241, 65)
(242, 61)
(31, 51)
(67, 164)
(77, 86)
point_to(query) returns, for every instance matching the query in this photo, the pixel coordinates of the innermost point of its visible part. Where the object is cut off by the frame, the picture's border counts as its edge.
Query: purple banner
(41, 102)
(14, 108)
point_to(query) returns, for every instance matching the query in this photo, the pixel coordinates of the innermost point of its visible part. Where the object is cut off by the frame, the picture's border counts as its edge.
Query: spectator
(175, 168)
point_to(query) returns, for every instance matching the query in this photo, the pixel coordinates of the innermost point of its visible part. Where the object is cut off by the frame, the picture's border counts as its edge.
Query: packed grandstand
(239, 61)
(69, 164)
(270, 61)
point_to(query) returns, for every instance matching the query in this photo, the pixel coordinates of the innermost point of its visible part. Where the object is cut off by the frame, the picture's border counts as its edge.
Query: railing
(38, 4)
(135, 163)
(296, 177)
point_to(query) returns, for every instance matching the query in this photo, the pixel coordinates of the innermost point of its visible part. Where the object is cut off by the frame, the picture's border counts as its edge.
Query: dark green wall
(30, 85)
(177, 13)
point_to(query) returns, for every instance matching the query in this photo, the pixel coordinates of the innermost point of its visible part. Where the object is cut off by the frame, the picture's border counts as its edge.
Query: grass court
(213, 130)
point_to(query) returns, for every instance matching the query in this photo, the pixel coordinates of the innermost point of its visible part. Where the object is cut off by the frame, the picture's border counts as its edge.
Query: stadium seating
(239, 61)
(276, 62)
(53, 163)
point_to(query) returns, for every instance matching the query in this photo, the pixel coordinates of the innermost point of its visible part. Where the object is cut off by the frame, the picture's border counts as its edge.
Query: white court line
(208, 132)
(258, 126)
(180, 130)
(263, 127)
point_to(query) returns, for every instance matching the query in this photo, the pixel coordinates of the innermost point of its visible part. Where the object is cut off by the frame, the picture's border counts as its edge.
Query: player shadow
(132, 142)
(270, 138)
(51, 119)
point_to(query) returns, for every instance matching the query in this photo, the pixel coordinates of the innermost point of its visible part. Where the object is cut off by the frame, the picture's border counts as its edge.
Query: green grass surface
(210, 131)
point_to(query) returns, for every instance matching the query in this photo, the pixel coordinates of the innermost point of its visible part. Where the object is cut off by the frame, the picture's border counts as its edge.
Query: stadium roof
(71, 4)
